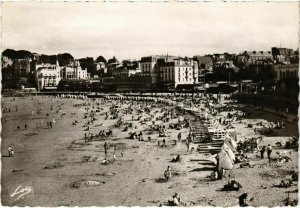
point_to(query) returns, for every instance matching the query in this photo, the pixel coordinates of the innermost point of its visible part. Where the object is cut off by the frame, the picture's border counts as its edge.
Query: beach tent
(232, 134)
(224, 161)
(230, 143)
(213, 159)
(229, 152)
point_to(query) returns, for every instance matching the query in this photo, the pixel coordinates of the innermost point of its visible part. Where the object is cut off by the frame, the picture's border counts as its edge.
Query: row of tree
(9, 80)
(63, 59)
(252, 72)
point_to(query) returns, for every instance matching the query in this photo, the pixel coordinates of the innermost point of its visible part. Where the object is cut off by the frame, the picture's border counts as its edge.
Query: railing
(275, 102)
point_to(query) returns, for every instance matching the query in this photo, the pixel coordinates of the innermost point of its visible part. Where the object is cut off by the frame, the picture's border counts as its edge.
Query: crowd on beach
(207, 110)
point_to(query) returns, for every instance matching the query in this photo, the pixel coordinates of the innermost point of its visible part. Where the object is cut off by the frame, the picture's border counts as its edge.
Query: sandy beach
(64, 170)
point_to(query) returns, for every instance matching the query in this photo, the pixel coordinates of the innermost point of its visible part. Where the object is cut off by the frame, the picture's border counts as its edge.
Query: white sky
(132, 30)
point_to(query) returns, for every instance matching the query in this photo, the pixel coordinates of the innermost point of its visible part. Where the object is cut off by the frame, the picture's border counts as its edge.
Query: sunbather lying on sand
(176, 159)
(175, 200)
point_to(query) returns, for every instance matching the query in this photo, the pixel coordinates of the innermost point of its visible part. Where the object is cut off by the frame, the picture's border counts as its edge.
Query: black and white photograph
(149, 104)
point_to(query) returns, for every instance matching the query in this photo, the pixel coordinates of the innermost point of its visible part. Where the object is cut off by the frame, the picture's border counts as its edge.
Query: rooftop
(259, 53)
(155, 58)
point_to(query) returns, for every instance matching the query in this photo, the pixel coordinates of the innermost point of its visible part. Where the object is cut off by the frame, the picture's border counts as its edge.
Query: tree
(21, 54)
(88, 64)
(202, 66)
(101, 59)
(51, 59)
(112, 60)
(65, 59)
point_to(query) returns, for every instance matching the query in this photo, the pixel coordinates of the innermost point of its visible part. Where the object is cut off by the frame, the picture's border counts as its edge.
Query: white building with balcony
(74, 71)
(178, 72)
(47, 76)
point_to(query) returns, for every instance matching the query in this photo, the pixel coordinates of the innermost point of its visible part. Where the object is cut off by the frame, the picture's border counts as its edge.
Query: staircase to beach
(201, 134)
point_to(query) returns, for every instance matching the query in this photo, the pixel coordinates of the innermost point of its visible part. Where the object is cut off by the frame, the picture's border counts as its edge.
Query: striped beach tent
(229, 152)
(224, 161)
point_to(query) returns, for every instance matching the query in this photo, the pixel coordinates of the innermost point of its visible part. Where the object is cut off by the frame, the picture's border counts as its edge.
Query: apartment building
(74, 71)
(47, 76)
(178, 71)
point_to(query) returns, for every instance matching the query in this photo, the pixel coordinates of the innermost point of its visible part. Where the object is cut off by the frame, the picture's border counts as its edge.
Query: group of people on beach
(267, 149)
(114, 157)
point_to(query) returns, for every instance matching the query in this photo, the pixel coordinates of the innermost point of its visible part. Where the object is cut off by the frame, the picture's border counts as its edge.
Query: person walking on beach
(115, 149)
(262, 152)
(187, 145)
(105, 149)
(179, 136)
(114, 157)
(168, 173)
(10, 152)
(85, 137)
(269, 151)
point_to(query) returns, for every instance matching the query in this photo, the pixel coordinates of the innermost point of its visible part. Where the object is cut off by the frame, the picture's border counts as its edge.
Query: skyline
(133, 30)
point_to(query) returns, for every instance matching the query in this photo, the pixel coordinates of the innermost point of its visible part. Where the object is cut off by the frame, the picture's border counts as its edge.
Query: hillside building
(178, 72)
(47, 76)
(74, 71)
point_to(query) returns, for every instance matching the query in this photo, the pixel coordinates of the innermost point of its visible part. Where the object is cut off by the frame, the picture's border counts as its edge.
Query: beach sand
(63, 170)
